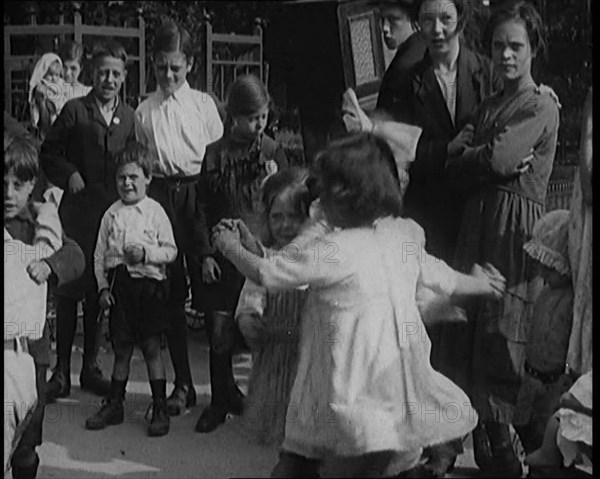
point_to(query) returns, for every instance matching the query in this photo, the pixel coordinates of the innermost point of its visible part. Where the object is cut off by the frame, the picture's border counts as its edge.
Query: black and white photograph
(298, 239)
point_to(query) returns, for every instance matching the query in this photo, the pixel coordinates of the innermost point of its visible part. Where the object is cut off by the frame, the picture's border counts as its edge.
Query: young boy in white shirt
(135, 245)
(177, 123)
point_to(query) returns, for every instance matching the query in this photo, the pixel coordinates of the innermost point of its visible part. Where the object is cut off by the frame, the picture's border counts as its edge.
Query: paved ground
(70, 451)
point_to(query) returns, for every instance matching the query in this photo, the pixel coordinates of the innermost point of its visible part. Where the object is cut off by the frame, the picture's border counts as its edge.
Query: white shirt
(144, 223)
(447, 82)
(177, 129)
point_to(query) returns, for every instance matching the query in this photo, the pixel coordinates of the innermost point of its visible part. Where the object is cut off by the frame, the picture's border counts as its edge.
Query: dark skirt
(140, 309)
(222, 295)
(486, 356)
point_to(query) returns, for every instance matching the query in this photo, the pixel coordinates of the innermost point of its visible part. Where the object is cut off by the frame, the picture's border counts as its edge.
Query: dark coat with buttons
(434, 198)
(81, 141)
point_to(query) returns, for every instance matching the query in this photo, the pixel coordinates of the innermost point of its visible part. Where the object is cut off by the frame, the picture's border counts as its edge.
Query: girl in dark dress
(229, 187)
(512, 153)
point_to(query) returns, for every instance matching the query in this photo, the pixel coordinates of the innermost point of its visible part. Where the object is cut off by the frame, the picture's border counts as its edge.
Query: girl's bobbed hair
(357, 181)
(246, 95)
(291, 180)
(525, 13)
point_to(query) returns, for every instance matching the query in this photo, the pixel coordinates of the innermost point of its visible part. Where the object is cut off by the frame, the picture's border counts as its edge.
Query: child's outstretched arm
(483, 281)
(317, 263)
(438, 276)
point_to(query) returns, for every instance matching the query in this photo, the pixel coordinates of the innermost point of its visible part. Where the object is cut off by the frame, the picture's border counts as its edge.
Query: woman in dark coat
(435, 197)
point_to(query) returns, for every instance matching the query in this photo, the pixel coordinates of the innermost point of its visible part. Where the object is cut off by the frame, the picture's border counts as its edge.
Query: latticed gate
(19, 64)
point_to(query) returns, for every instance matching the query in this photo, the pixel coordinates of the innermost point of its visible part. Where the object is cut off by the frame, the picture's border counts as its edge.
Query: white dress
(364, 382)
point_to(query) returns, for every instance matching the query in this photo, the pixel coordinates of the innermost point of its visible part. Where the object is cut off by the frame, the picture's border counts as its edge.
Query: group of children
(317, 269)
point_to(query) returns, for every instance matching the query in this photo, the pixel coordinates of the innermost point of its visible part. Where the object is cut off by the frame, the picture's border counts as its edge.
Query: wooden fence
(227, 56)
(19, 66)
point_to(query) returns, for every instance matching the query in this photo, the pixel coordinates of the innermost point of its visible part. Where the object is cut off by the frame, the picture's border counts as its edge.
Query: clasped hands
(227, 236)
(231, 233)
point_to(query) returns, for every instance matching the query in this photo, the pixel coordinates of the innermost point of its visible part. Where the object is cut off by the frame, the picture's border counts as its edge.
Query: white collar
(179, 95)
(141, 206)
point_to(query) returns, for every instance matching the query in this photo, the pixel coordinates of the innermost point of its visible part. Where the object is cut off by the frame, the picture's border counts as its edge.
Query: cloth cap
(550, 242)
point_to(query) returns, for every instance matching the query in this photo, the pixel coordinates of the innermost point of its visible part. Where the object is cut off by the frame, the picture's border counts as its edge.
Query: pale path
(70, 451)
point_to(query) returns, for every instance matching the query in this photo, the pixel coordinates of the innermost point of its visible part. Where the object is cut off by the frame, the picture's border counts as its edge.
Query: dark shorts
(223, 295)
(140, 309)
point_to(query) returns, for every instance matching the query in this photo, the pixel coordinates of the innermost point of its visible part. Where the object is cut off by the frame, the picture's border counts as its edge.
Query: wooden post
(142, 49)
(258, 31)
(31, 10)
(77, 22)
(61, 20)
(7, 75)
(207, 53)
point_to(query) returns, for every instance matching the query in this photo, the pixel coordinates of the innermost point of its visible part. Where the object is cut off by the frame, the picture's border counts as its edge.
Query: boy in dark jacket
(78, 156)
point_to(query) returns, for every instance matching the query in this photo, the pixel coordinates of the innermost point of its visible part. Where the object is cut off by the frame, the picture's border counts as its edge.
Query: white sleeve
(253, 299)
(214, 125)
(318, 263)
(99, 252)
(435, 274)
(48, 229)
(165, 251)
